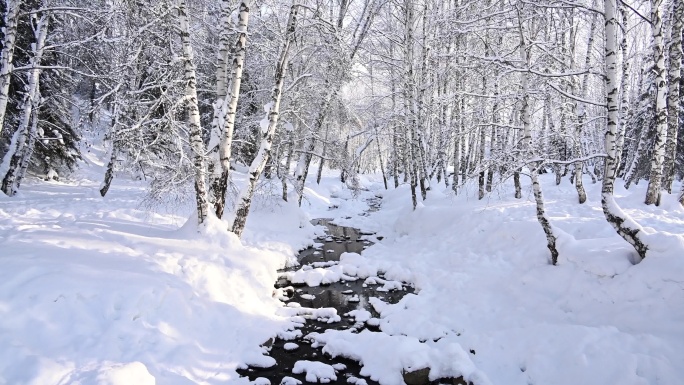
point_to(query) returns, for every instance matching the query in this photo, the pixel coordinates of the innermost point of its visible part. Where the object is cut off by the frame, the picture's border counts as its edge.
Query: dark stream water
(343, 296)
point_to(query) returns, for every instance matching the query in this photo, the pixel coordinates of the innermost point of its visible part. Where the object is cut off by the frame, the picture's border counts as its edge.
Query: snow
(290, 381)
(485, 287)
(290, 346)
(315, 371)
(356, 381)
(325, 314)
(123, 374)
(385, 357)
(360, 315)
(104, 291)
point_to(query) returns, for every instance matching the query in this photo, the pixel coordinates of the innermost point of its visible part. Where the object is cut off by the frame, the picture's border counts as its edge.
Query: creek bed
(344, 296)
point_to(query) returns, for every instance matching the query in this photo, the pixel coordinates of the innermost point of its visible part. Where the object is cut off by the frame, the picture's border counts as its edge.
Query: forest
(430, 92)
(220, 110)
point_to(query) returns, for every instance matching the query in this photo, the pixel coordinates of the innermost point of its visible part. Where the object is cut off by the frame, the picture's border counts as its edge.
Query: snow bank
(385, 358)
(484, 282)
(99, 291)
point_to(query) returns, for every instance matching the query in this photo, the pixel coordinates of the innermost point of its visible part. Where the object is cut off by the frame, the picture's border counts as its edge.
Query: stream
(344, 296)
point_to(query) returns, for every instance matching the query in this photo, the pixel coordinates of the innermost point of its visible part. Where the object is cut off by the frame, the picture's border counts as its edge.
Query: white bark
(581, 116)
(273, 114)
(229, 108)
(220, 105)
(527, 142)
(624, 90)
(8, 44)
(625, 226)
(28, 150)
(409, 98)
(673, 98)
(656, 175)
(195, 127)
(31, 101)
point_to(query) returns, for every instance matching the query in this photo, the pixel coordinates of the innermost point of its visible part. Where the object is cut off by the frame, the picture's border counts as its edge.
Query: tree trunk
(319, 175)
(493, 142)
(627, 228)
(409, 92)
(245, 199)
(288, 160)
(527, 141)
(674, 78)
(457, 148)
(194, 123)
(382, 165)
(624, 88)
(28, 151)
(31, 101)
(228, 109)
(109, 172)
(483, 170)
(8, 43)
(656, 175)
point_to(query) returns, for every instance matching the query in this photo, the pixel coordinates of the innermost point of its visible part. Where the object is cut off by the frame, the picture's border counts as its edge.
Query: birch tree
(674, 93)
(228, 106)
(625, 226)
(8, 44)
(22, 142)
(655, 179)
(268, 129)
(194, 123)
(527, 142)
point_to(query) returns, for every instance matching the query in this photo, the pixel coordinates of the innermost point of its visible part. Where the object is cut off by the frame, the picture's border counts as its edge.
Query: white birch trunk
(109, 173)
(581, 116)
(8, 43)
(673, 98)
(527, 142)
(223, 53)
(194, 123)
(259, 163)
(28, 150)
(220, 104)
(624, 90)
(656, 175)
(31, 101)
(228, 115)
(625, 226)
(409, 98)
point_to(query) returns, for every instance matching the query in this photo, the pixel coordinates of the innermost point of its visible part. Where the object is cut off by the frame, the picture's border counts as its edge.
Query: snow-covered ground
(485, 284)
(103, 291)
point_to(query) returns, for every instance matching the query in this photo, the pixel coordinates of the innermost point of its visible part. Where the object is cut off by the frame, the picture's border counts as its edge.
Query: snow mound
(290, 381)
(125, 374)
(325, 314)
(385, 358)
(315, 371)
